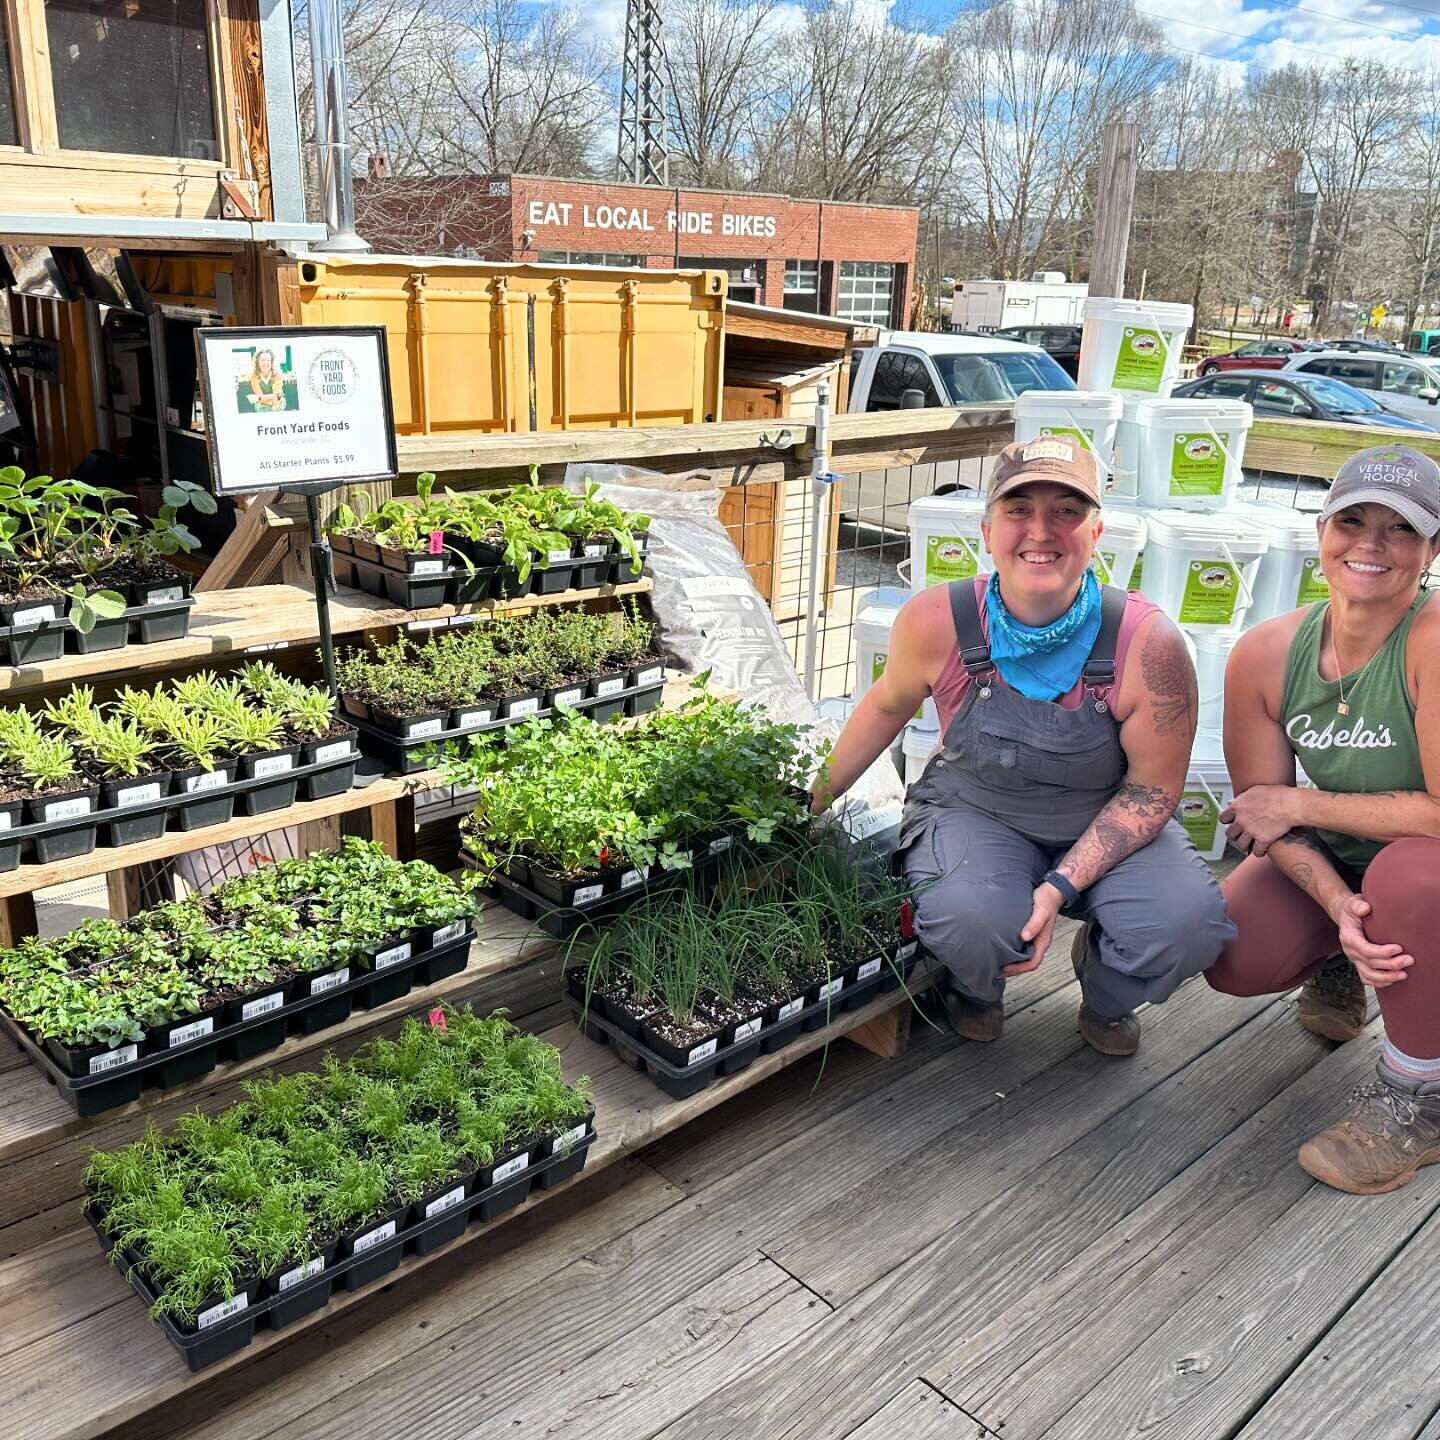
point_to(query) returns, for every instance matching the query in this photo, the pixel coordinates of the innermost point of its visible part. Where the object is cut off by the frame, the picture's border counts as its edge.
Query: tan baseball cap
(1059, 459)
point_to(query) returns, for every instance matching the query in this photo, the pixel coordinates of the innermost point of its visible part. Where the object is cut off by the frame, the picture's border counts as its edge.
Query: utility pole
(1114, 204)
(643, 155)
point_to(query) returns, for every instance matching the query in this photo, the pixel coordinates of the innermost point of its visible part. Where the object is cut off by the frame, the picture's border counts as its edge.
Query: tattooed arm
(1157, 709)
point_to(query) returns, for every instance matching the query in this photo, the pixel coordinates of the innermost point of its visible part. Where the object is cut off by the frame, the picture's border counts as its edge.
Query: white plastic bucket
(1289, 575)
(1190, 452)
(1207, 792)
(1091, 419)
(1212, 654)
(872, 645)
(1132, 345)
(1125, 478)
(1200, 569)
(1121, 545)
(920, 744)
(945, 540)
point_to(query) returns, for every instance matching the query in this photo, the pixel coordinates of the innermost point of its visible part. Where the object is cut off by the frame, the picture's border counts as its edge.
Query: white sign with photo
(301, 406)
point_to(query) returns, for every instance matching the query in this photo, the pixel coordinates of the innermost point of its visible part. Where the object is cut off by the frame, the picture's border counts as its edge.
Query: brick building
(821, 257)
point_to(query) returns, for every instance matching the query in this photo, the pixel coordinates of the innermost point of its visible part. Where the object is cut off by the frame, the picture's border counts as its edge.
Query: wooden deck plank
(1047, 1348)
(996, 1252)
(919, 1412)
(843, 1247)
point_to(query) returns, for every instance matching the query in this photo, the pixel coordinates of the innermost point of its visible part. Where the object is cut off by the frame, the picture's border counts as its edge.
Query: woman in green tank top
(1341, 887)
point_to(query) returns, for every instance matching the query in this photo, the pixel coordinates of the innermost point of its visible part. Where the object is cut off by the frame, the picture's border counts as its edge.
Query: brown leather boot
(1332, 1001)
(1381, 1142)
(970, 1021)
(1117, 1037)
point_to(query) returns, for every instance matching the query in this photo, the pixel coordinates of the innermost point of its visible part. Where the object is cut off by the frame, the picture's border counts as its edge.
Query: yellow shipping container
(611, 347)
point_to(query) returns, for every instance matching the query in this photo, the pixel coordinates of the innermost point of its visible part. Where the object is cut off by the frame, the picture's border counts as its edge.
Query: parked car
(1257, 355)
(1293, 395)
(1060, 342)
(1360, 346)
(1407, 384)
(918, 369)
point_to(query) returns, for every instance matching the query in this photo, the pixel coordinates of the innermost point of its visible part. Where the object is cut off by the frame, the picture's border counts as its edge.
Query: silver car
(1408, 385)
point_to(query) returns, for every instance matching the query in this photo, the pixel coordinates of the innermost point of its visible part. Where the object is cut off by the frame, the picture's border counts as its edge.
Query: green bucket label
(1211, 590)
(1200, 817)
(1138, 573)
(1313, 585)
(877, 665)
(951, 557)
(1140, 364)
(1103, 564)
(1197, 465)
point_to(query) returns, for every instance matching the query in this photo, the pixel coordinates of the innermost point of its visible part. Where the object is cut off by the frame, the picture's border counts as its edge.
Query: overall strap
(974, 649)
(1099, 671)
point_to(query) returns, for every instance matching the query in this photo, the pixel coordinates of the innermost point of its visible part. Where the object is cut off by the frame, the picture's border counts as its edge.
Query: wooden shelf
(72, 1314)
(226, 622)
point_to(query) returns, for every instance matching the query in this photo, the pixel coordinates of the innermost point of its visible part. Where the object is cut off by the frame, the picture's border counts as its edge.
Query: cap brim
(1417, 515)
(1015, 482)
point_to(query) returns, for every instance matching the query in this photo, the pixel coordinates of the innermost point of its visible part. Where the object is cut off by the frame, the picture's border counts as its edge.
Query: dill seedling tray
(233, 1331)
(41, 640)
(119, 1083)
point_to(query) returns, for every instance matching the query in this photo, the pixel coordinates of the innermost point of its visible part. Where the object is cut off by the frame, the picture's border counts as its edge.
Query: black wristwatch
(1068, 893)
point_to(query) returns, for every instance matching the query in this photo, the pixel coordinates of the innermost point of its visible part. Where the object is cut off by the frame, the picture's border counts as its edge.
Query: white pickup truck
(916, 369)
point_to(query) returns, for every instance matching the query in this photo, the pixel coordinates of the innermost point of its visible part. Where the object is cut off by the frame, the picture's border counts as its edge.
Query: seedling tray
(410, 754)
(40, 640)
(234, 1324)
(125, 1072)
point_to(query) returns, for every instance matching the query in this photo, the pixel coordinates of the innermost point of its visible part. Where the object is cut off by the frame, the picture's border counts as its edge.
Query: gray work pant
(1158, 915)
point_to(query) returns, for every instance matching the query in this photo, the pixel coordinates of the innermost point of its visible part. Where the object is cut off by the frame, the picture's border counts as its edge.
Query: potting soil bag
(711, 617)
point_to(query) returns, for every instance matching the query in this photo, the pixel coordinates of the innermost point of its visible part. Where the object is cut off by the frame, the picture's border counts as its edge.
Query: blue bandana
(1043, 662)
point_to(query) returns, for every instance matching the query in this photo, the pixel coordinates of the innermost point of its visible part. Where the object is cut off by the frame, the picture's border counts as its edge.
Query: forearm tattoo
(1170, 679)
(1301, 872)
(1131, 819)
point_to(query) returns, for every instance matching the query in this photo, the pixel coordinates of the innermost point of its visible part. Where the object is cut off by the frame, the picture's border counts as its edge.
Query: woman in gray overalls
(1068, 711)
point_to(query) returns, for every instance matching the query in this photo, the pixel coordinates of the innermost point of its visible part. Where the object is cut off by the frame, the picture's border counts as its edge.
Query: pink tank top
(950, 688)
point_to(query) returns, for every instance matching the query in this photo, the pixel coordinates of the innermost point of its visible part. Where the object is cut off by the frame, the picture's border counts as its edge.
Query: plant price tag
(588, 894)
(703, 1052)
(610, 687)
(338, 750)
(570, 1137)
(651, 675)
(272, 765)
(113, 1059)
(631, 878)
(165, 595)
(68, 809)
(291, 1278)
(448, 1201)
(570, 697)
(396, 955)
(374, 1237)
(263, 1006)
(748, 1031)
(206, 780)
(418, 729)
(718, 847)
(526, 707)
(791, 1007)
(511, 1168)
(596, 550)
(7, 818)
(453, 931)
(907, 950)
(869, 968)
(216, 1313)
(137, 795)
(471, 718)
(35, 614)
(832, 987)
(427, 567)
(184, 1034)
(556, 555)
(333, 981)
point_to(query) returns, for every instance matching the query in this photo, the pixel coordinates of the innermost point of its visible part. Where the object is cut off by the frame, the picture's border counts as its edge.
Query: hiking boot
(1332, 1001)
(1116, 1037)
(971, 1021)
(1389, 1132)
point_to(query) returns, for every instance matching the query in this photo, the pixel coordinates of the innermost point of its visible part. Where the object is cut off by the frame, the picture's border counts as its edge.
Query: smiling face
(1368, 552)
(265, 362)
(1042, 537)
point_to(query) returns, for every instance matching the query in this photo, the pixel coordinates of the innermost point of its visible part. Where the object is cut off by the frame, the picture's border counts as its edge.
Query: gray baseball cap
(1394, 475)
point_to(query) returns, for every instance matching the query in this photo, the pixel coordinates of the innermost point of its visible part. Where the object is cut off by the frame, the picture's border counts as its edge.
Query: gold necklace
(1342, 706)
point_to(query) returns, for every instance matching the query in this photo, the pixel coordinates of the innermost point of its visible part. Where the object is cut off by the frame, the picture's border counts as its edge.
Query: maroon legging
(1285, 936)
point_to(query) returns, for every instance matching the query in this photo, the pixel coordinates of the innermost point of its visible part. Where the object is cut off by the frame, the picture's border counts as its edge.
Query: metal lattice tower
(643, 156)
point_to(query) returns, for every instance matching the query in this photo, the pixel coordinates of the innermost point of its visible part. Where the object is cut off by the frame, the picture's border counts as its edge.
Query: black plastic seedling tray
(234, 1324)
(44, 640)
(120, 1081)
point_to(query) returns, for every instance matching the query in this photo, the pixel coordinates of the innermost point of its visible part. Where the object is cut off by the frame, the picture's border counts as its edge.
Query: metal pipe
(332, 131)
(821, 479)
